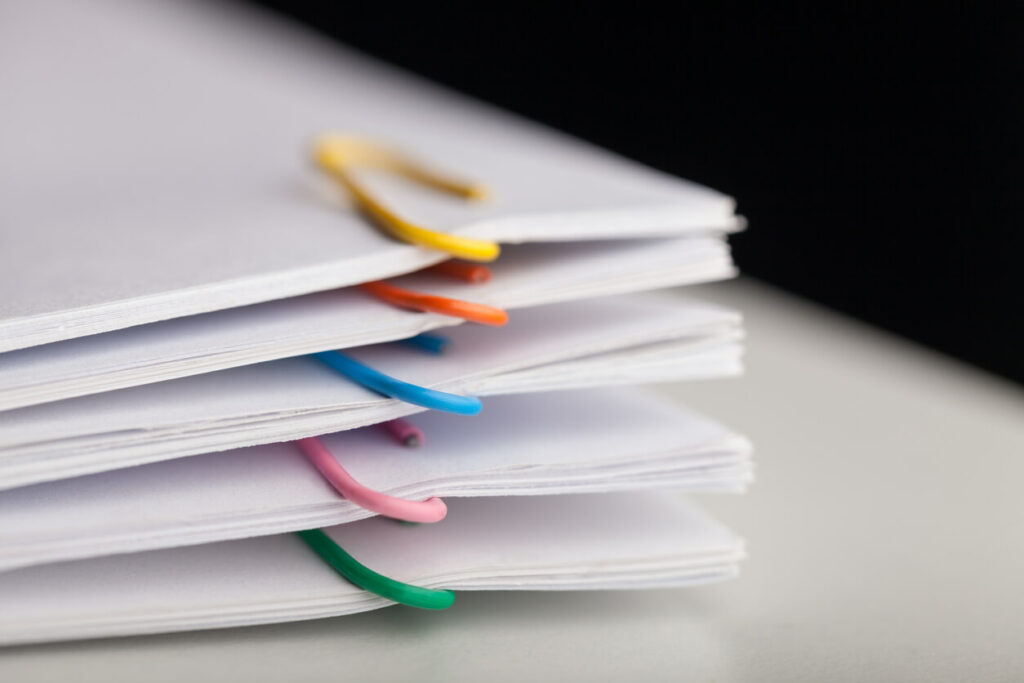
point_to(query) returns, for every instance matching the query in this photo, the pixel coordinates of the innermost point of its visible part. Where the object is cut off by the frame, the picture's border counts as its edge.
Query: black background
(876, 150)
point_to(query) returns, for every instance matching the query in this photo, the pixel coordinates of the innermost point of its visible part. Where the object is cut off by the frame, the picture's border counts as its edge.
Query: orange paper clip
(467, 310)
(460, 270)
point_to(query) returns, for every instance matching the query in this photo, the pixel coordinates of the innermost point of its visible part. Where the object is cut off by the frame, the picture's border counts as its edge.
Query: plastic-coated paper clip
(404, 432)
(394, 388)
(429, 303)
(430, 510)
(369, 580)
(473, 273)
(339, 155)
(425, 341)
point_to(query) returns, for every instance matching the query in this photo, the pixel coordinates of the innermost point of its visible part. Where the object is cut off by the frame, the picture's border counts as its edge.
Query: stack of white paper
(184, 183)
(574, 442)
(613, 541)
(166, 283)
(613, 341)
(525, 276)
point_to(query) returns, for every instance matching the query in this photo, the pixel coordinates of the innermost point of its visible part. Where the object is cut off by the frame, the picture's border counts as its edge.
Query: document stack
(287, 334)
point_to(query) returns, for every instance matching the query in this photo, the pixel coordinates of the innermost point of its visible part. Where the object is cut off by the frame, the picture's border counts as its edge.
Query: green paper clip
(369, 580)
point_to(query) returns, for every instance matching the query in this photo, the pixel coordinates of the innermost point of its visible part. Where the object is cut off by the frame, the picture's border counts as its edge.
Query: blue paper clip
(394, 388)
(432, 343)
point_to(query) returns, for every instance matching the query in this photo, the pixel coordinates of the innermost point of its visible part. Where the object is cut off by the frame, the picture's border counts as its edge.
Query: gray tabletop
(886, 533)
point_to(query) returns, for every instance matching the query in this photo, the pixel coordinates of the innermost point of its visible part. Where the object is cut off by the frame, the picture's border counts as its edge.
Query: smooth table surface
(886, 533)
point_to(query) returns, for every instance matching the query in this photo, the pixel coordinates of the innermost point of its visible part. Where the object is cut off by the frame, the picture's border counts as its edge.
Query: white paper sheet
(622, 340)
(607, 541)
(526, 275)
(156, 164)
(568, 442)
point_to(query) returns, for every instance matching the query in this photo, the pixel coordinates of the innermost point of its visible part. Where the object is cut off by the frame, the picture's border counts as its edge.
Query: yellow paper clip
(338, 155)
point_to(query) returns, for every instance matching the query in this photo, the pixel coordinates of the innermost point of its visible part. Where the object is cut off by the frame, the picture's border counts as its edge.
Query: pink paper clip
(430, 510)
(404, 432)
